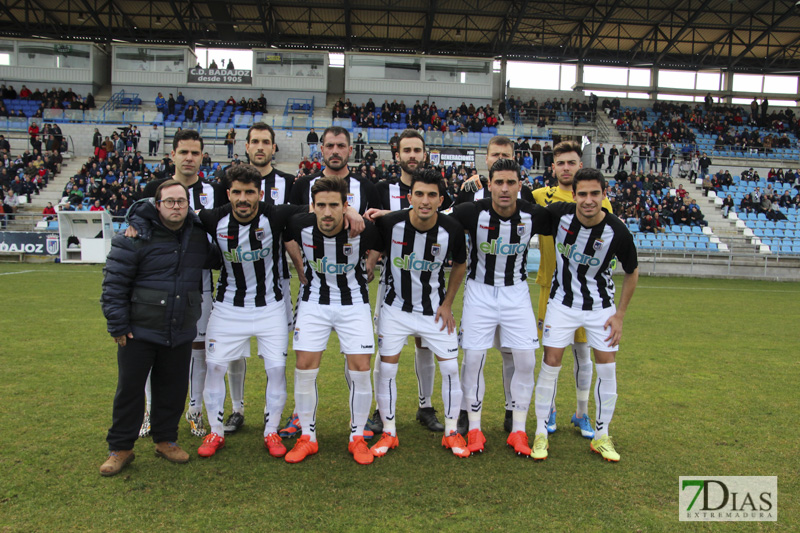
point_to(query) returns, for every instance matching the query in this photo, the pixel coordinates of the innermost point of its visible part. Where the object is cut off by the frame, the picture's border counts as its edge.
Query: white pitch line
(639, 287)
(20, 272)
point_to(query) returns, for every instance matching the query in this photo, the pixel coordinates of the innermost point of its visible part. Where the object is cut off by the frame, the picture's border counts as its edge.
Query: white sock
(376, 377)
(148, 393)
(522, 383)
(197, 380)
(306, 400)
(583, 376)
(274, 396)
(360, 401)
(214, 396)
(545, 395)
(451, 388)
(347, 378)
(387, 396)
(518, 419)
(425, 367)
(605, 397)
(508, 373)
(236, 373)
(473, 385)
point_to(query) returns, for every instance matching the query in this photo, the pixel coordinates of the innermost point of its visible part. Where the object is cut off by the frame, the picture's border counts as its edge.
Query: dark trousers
(152, 148)
(169, 382)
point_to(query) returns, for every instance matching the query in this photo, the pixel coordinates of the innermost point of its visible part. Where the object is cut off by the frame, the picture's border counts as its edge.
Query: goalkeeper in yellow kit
(566, 162)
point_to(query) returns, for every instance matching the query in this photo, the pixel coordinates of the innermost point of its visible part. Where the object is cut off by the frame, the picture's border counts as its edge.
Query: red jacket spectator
(25, 92)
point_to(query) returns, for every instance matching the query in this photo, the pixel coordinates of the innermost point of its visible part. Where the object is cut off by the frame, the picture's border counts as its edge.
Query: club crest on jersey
(598, 244)
(351, 199)
(436, 249)
(296, 333)
(260, 234)
(211, 345)
(546, 330)
(274, 193)
(347, 249)
(204, 200)
(520, 229)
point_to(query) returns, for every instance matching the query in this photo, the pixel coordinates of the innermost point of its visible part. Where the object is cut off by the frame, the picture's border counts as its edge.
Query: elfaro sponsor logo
(498, 247)
(729, 499)
(410, 262)
(572, 253)
(245, 256)
(322, 266)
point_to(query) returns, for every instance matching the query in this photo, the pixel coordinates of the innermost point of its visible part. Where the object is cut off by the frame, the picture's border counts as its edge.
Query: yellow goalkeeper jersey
(547, 262)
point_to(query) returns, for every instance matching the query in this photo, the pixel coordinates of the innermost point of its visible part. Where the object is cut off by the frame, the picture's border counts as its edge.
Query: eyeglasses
(169, 203)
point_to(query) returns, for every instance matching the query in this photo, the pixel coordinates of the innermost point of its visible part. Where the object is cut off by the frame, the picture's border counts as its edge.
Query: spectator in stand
(647, 224)
(49, 212)
(33, 132)
(161, 103)
(97, 207)
(230, 141)
(696, 218)
(312, 139)
(154, 140)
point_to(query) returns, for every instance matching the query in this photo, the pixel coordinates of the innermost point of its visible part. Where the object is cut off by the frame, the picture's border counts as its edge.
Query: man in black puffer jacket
(151, 301)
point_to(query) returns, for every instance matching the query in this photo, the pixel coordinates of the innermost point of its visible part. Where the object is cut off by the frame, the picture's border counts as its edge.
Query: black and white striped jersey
(361, 194)
(585, 258)
(250, 275)
(394, 195)
(332, 265)
(414, 272)
(277, 187)
(463, 196)
(498, 246)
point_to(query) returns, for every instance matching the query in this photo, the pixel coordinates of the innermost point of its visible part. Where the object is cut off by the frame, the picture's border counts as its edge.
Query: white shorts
(395, 325)
(206, 304)
(350, 322)
(562, 321)
(230, 329)
(487, 309)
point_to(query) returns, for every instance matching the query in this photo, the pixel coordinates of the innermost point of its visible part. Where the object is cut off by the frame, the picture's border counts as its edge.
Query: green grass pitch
(707, 383)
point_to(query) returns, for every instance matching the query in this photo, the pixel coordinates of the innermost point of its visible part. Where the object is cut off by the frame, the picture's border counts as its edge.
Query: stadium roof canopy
(746, 35)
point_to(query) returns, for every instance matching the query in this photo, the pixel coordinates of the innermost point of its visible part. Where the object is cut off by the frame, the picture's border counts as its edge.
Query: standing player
(336, 152)
(587, 238)
(187, 154)
(567, 161)
(334, 296)
(361, 195)
(416, 243)
(395, 195)
(497, 296)
(499, 147)
(260, 147)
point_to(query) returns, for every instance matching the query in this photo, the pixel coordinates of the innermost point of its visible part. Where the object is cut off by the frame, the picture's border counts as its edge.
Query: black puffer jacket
(151, 285)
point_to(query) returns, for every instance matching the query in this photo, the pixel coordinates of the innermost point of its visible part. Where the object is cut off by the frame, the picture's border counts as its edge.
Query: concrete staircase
(30, 213)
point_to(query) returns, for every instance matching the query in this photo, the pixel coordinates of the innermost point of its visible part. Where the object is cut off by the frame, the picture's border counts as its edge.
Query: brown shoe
(171, 452)
(117, 460)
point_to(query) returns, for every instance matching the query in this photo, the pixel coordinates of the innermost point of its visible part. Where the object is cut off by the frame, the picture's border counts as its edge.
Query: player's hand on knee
(448, 321)
(615, 324)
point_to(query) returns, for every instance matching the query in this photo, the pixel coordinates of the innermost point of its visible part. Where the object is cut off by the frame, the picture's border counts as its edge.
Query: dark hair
(501, 140)
(335, 130)
(411, 134)
(261, 126)
(588, 174)
(505, 164)
(186, 135)
(170, 183)
(329, 184)
(429, 176)
(243, 174)
(566, 147)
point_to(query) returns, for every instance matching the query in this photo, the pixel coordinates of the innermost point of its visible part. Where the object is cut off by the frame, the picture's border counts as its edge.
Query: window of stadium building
(620, 76)
(458, 71)
(7, 54)
(55, 55)
(384, 68)
(150, 59)
(529, 75)
(271, 63)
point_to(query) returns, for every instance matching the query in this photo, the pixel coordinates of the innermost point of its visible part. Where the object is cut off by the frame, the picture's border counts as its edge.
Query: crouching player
(334, 297)
(416, 243)
(587, 238)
